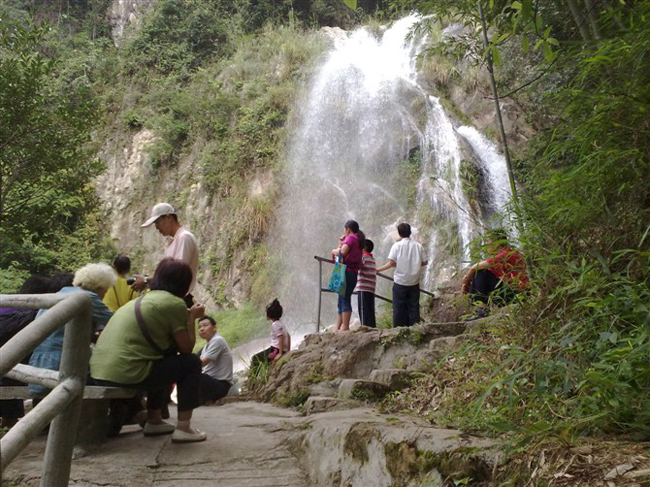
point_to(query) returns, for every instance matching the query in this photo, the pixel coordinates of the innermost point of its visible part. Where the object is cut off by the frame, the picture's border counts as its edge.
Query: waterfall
(494, 167)
(369, 143)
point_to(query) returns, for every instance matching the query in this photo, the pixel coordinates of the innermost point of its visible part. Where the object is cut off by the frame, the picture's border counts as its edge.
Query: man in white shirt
(183, 245)
(408, 259)
(216, 358)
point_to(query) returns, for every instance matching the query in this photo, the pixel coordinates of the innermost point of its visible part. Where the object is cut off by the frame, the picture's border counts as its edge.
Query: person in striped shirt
(366, 283)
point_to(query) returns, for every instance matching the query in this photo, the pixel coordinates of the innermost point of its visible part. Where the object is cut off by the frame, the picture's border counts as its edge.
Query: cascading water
(362, 131)
(494, 167)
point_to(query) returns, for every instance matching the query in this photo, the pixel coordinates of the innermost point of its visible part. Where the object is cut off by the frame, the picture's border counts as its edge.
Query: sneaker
(163, 428)
(181, 436)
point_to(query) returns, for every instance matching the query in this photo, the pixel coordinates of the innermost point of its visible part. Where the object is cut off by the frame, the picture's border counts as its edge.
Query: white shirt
(184, 247)
(220, 364)
(279, 330)
(408, 255)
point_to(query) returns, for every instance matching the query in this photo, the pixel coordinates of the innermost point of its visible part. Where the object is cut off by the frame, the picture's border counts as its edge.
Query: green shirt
(122, 353)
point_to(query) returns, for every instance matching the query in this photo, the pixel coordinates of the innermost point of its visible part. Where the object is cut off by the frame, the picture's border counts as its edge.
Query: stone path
(244, 448)
(259, 445)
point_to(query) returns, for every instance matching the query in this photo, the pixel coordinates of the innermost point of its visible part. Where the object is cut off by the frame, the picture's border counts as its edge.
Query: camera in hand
(130, 280)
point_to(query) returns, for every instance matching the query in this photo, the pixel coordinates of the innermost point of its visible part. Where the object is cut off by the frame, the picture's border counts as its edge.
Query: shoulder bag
(145, 331)
(337, 279)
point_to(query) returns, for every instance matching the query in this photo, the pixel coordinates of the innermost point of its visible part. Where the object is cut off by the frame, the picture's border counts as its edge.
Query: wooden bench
(93, 422)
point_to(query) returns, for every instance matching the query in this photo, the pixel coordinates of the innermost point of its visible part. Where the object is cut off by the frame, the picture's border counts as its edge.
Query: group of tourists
(145, 335)
(495, 280)
(144, 329)
(406, 256)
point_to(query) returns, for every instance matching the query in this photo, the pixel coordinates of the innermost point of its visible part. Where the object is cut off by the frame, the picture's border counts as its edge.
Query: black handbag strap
(143, 328)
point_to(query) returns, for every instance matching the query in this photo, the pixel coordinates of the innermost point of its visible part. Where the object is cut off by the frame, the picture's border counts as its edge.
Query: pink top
(184, 247)
(353, 258)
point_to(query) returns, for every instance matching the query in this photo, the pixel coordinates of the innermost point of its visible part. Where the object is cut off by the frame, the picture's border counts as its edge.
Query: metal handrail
(62, 406)
(322, 290)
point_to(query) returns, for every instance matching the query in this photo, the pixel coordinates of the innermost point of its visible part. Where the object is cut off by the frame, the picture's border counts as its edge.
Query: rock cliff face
(131, 185)
(123, 13)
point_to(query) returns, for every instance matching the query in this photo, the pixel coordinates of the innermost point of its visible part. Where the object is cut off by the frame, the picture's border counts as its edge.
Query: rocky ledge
(329, 369)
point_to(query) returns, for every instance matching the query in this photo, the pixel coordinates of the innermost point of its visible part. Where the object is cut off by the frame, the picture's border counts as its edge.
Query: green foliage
(597, 158)
(11, 279)
(295, 399)
(259, 13)
(240, 325)
(471, 180)
(258, 376)
(179, 35)
(316, 374)
(573, 356)
(45, 165)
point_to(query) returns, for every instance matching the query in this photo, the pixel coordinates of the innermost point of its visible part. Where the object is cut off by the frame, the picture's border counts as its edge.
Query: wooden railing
(62, 406)
(322, 289)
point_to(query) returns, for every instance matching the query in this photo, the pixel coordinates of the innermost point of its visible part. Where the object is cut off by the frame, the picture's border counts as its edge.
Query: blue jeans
(345, 302)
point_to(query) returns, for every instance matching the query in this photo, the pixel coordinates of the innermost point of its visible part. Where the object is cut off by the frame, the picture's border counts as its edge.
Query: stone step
(362, 390)
(395, 379)
(325, 389)
(322, 404)
(444, 345)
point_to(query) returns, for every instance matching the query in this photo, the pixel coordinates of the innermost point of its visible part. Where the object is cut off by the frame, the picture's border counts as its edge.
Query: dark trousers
(183, 369)
(11, 408)
(262, 358)
(486, 286)
(366, 301)
(213, 389)
(406, 305)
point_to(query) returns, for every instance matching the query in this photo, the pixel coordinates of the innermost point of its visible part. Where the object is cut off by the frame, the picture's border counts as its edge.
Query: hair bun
(274, 310)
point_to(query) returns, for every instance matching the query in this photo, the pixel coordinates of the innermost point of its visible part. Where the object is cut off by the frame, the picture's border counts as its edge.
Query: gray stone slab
(395, 379)
(245, 446)
(252, 444)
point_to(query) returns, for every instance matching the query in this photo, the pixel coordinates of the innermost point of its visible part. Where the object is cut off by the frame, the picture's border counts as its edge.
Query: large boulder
(355, 355)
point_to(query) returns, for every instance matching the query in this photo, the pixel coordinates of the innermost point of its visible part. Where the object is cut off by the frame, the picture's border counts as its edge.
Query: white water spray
(363, 129)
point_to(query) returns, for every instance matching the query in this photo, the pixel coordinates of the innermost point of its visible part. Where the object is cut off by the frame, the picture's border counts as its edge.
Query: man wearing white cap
(183, 245)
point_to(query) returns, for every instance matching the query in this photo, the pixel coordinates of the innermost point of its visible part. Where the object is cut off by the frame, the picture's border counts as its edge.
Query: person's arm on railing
(386, 266)
(344, 249)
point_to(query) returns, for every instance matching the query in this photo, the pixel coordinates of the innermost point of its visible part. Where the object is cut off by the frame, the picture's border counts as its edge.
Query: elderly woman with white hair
(94, 280)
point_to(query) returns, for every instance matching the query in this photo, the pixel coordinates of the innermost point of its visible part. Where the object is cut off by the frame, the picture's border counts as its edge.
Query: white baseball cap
(161, 209)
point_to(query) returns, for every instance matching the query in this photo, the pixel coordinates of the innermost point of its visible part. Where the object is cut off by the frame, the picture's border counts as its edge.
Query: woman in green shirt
(137, 351)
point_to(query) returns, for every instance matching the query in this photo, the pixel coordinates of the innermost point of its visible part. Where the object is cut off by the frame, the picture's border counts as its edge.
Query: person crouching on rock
(280, 338)
(216, 358)
(497, 279)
